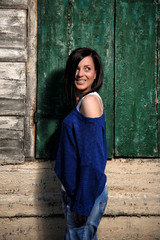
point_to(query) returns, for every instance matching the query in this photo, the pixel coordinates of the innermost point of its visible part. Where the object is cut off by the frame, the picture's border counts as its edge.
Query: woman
(81, 155)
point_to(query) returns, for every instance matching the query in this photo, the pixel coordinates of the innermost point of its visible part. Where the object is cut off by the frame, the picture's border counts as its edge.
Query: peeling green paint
(135, 83)
(126, 35)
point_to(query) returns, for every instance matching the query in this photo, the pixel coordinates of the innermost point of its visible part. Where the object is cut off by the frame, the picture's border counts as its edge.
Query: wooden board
(52, 50)
(12, 107)
(135, 85)
(13, 55)
(11, 139)
(13, 82)
(18, 4)
(13, 28)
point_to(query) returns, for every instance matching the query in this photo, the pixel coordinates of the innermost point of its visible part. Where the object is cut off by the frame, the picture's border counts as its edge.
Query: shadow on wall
(53, 109)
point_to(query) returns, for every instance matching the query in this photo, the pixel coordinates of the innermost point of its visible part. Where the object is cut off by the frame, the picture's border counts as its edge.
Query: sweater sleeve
(91, 179)
(66, 160)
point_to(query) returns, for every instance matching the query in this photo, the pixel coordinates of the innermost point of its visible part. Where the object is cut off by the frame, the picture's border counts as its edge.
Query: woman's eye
(88, 68)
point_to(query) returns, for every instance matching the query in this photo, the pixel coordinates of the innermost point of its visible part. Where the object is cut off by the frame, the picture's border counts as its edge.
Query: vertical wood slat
(158, 73)
(31, 74)
(52, 55)
(92, 24)
(136, 130)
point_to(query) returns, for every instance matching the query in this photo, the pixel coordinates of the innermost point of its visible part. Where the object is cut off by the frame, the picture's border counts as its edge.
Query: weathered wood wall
(17, 79)
(30, 205)
(13, 57)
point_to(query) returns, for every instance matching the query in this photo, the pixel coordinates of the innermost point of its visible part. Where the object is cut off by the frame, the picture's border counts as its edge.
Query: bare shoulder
(91, 107)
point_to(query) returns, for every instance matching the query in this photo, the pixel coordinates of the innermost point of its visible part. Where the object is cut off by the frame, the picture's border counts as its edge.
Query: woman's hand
(80, 219)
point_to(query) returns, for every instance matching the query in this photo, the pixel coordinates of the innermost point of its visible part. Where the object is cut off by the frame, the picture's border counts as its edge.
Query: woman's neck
(79, 95)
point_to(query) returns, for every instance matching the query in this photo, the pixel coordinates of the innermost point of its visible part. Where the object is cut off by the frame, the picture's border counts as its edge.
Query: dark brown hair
(72, 62)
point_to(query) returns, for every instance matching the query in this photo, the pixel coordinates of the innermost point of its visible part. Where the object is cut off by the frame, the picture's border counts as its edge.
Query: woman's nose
(79, 73)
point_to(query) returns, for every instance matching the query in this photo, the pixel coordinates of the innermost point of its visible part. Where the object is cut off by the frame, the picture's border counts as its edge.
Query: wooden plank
(53, 50)
(12, 122)
(18, 4)
(10, 144)
(13, 84)
(12, 107)
(135, 95)
(11, 139)
(96, 31)
(13, 55)
(11, 134)
(32, 189)
(12, 89)
(11, 156)
(13, 28)
(16, 71)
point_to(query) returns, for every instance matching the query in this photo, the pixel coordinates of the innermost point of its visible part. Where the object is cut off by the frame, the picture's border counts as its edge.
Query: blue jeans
(89, 229)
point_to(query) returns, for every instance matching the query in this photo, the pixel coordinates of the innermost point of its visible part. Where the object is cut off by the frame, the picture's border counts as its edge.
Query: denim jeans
(89, 229)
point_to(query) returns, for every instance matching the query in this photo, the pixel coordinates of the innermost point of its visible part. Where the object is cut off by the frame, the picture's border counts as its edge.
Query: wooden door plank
(135, 128)
(92, 25)
(52, 55)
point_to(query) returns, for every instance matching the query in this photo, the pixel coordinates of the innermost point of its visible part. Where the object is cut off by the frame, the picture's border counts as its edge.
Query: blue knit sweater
(81, 158)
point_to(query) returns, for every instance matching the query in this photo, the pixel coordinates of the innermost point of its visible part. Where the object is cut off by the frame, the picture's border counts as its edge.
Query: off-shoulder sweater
(81, 158)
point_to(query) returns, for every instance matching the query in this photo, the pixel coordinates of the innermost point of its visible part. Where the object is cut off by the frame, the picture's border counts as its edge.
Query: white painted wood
(12, 71)
(11, 139)
(12, 89)
(13, 55)
(12, 123)
(20, 4)
(11, 134)
(12, 107)
(12, 80)
(12, 28)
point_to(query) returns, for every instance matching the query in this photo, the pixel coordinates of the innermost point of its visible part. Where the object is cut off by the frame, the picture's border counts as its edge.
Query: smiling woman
(82, 154)
(85, 75)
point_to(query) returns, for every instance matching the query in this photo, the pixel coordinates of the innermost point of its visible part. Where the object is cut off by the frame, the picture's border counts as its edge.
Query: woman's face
(85, 75)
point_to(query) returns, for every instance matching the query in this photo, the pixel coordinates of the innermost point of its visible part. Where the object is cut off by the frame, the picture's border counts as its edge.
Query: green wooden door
(136, 73)
(102, 25)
